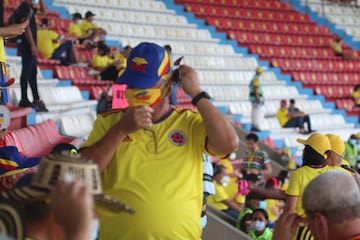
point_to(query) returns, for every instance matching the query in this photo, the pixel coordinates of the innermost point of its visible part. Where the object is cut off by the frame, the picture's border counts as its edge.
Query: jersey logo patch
(177, 138)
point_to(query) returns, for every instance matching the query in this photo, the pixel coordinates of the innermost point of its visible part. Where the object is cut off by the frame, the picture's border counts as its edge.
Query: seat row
(268, 51)
(323, 78)
(243, 13)
(224, 24)
(334, 92)
(315, 65)
(38, 140)
(265, 5)
(247, 38)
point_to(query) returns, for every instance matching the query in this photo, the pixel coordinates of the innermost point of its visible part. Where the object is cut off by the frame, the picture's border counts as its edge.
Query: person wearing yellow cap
(336, 155)
(315, 152)
(257, 99)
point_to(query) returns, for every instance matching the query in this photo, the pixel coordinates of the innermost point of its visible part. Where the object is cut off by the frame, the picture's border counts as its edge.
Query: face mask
(262, 204)
(352, 142)
(257, 226)
(95, 229)
(284, 158)
(225, 180)
(35, 2)
(203, 221)
(286, 181)
(143, 97)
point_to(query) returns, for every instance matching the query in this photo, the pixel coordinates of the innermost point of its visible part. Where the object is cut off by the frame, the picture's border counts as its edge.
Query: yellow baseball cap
(259, 70)
(319, 142)
(337, 144)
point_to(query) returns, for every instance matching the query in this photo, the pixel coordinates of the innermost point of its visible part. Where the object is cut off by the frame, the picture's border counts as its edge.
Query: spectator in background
(175, 87)
(150, 155)
(335, 157)
(287, 157)
(104, 64)
(351, 151)
(90, 30)
(356, 95)
(55, 46)
(208, 186)
(244, 219)
(292, 117)
(255, 160)
(257, 100)
(28, 50)
(121, 59)
(89, 39)
(259, 229)
(337, 47)
(273, 206)
(220, 200)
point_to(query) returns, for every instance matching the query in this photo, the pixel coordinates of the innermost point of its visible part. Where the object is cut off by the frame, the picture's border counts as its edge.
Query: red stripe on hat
(164, 65)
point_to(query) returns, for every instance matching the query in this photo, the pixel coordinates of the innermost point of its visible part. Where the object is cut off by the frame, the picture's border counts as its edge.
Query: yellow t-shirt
(2, 50)
(282, 116)
(87, 26)
(45, 42)
(101, 61)
(219, 196)
(159, 174)
(300, 178)
(122, 58)
(270, 203)
(356, 96)
(74, 29)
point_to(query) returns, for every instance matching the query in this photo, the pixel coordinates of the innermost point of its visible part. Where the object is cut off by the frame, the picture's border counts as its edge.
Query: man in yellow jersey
(52, 46)
(331, 202)
(150, 154)
(335, 157)
(89, 28)
(317, 148)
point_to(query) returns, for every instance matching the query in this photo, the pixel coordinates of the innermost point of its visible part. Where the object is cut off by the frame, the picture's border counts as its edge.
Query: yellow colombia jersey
(87, 26)
(300, 178)
(47, 42)
(159, 174)
(101, 61)
(216, 199)
(2, 50)
(74, 30)
(282, 116)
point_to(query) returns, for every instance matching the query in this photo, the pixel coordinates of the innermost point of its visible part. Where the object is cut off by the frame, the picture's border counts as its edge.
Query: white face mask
(225, 180)
(232, 156)
(262, 204)
(95, 229)
(257, 226)
(35, 2)
(203, 221)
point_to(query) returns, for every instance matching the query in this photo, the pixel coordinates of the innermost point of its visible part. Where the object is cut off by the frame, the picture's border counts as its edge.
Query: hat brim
(137, 80)
(30, 162)
(302, 141)
(33, 193)
(11, 224)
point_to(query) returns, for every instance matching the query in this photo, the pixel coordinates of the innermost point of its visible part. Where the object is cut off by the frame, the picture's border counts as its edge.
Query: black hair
(264, 213)
(252, 136)
(45, 21)
(168, 47)
(292, 101)
(282, 175)
(218, 168)
(312, 157)
(34, 211)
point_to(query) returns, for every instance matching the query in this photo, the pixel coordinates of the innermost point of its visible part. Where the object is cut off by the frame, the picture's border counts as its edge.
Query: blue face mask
(203, 221)
(258, 226)
(35, 2)
(262, 204)
(284, 158)
(95, 229)
(352, 142)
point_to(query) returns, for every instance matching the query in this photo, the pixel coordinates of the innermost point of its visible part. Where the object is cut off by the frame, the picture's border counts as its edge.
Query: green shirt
(267, 235)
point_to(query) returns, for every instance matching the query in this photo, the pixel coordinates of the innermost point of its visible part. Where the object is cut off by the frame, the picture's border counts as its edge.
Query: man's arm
(221, 135)
(13, 30)
(233, 205)
(267, 171)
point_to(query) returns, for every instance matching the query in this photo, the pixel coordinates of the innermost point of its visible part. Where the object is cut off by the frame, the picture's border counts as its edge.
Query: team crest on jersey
(177, 138)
